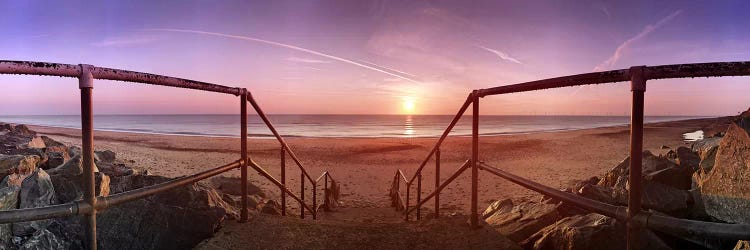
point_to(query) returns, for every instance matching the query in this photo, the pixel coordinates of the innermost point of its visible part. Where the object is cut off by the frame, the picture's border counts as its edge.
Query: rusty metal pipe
(638, 87)
(315, 201)
(447, 130)
(70, 70)
(474, 160)
(86, 84)
(302, 196)
(243, 148)
(283, 181)
(42, 213)
(437, 182)
(276, 134)
(450, 179)
(419, 195)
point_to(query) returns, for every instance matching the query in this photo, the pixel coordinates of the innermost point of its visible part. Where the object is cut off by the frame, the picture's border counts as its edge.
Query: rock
(270, 207)
(177, 219)
(8, 201)
(233, 186)
(18, 164)
(521, 221)
(72, 167)
(726, 189)
(650, 163)
(680, 177)
(501, 206)
(742, 245)
(70, 188)
(44, 239)
(104, 156)
(598, 193)
(36, 142)
(589, 231)
(236, 200)
(57, 153)
(686, 158)
(119, 184)
(701, 147)
(665, 199)
(36, 191)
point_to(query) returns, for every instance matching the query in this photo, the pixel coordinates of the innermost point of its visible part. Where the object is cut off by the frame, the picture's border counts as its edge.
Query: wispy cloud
(309, 51)
(388, 68)
(500, 54)
(125, 41)
(305, 60)
(625, 45)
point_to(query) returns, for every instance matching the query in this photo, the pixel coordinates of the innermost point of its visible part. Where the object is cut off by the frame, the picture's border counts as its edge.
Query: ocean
(331, 125)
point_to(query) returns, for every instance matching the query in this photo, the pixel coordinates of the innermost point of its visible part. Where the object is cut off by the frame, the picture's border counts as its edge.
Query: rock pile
(37, 171)
(709, 181)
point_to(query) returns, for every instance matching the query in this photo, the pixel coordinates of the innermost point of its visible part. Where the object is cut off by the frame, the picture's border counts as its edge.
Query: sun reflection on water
(408, 126)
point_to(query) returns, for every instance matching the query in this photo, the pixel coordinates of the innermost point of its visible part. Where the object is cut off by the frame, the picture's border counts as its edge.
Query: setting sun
(408, 105)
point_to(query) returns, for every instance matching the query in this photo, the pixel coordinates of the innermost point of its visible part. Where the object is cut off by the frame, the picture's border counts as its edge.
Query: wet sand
(365, 166)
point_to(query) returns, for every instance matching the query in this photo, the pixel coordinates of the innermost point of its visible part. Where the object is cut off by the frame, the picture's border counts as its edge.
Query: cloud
(321, 54)
(625, 45)
(306, 60)
(500, 54)
(125, 41)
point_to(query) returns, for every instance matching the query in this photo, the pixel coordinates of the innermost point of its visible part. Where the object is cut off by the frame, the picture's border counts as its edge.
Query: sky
(374, 57)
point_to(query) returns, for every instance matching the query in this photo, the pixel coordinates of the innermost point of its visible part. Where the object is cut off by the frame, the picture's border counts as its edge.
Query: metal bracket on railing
(86, 79)
(637, 78)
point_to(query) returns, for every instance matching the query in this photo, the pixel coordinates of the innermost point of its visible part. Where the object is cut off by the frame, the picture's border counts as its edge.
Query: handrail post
(283, 181)
(325, 192)
(302, 195)
(243, 146)
(419, 194)
(86, 84)
(437, 182)
(406, 206)
(638, 87)
(315, 201)
(474, 160)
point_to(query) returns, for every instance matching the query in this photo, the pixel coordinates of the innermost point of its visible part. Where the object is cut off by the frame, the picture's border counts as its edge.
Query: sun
(408, 105)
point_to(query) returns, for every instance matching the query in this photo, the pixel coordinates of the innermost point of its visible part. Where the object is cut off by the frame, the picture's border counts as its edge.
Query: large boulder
(17, 164)
(726, 189)
(177, 219)
(68, 181)
(8, 201)
(688, 159)
(589, 231)
(520, 221)
(36, 191)
(57, 153)
(44, 239)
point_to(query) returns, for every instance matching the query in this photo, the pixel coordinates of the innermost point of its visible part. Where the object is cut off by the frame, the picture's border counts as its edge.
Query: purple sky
(370, 57)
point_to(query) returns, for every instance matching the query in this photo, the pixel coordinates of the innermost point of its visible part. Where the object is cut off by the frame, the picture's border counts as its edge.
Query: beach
(365, 167)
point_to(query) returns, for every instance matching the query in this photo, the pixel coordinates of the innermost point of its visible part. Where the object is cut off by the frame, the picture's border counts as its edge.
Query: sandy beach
(365, 166)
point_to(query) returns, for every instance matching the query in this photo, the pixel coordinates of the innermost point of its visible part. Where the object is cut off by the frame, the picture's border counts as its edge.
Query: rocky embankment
(708, 181)
(37, 171)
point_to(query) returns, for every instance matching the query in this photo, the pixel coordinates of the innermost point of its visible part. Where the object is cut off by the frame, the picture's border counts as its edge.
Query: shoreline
(272, 137)
(365, 166)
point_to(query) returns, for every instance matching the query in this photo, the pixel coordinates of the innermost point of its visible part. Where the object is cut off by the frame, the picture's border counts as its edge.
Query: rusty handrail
(713, 69)
(666, 224)
(75, 70)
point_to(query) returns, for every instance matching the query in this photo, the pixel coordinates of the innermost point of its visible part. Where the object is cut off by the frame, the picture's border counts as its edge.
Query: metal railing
(91, 204)
(632, 215)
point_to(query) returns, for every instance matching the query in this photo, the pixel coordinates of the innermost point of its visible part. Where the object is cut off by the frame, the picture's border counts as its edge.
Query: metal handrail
(441, 187)
(633, 214)
(91, 203)
(666, 224)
